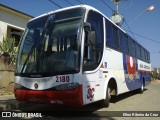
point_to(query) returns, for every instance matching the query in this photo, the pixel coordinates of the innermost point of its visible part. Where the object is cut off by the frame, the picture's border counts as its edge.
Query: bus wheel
(105, 102)
(141, 90)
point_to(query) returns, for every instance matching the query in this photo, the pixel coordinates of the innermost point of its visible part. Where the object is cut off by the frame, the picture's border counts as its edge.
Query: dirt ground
(8, 90)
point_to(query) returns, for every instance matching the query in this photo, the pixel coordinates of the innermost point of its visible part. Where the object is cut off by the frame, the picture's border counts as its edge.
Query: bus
(76, 56)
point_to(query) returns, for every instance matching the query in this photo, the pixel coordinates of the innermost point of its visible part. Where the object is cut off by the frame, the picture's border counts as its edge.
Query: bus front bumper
(65, 97)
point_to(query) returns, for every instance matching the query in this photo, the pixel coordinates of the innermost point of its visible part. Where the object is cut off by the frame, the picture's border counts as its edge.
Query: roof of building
(9, 8)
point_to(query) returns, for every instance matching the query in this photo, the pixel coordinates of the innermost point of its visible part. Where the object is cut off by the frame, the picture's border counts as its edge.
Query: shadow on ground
(125, 95)
(49, 110)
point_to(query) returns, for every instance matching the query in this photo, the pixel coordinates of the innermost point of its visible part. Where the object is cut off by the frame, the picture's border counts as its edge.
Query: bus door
(92, 57)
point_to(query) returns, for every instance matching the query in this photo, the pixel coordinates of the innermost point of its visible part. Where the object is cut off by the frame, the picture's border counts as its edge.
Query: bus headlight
(67, 86)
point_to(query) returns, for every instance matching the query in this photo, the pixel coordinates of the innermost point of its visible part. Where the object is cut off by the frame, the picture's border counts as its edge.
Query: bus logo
(131, 66)
(36, 86)
(90, 93)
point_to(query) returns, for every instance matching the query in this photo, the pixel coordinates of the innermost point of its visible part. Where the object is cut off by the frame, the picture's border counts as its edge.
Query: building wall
(13, 19)
(3, 30)
(10, 19)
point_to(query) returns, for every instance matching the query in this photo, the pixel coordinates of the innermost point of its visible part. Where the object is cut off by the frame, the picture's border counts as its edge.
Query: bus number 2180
(62, 79)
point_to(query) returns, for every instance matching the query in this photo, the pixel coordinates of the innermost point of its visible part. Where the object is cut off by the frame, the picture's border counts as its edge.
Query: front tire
(106, 101)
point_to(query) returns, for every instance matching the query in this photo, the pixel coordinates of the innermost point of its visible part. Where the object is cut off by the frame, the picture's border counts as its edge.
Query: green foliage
(4, 47)
(155, 74)
(7, 49)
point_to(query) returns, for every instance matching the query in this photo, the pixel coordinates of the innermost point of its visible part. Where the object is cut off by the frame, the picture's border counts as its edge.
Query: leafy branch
(8, 51)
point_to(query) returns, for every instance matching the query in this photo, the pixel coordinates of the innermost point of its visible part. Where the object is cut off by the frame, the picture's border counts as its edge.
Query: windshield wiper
(32, 48)
(30, 52)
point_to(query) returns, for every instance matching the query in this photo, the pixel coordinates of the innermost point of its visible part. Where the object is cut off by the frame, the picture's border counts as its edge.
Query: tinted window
(126, 46)
(96, 21)
(121, 37)
(143, 54)
(148, 57)
(115, 38)
(138, 50)
(109, 33)
(132, 47)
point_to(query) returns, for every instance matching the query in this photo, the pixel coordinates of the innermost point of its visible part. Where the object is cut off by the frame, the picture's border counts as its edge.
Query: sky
(144, 26)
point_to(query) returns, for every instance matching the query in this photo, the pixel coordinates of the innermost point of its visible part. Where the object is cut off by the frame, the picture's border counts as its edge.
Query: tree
(8, 51)
(154, 73)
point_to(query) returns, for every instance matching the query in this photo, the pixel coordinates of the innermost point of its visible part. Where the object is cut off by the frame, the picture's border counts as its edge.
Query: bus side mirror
(89, 38)
(90, 41)
(87, 27)
(90, 35)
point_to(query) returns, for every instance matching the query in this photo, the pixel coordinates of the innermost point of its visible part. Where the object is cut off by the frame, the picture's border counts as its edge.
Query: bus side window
(143, 54)
(122, 43)
(126, 44)
(148, 57)
(94, 51)
(109, 34)
(132, 47)
(138, 51)
(115, 38)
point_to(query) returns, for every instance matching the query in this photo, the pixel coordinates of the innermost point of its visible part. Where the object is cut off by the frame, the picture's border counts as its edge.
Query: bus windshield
(50, 44)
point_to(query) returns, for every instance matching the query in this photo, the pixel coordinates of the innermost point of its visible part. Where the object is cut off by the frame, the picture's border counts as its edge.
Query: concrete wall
(6, 73)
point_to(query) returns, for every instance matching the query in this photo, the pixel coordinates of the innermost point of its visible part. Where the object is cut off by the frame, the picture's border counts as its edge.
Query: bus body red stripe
(66, 97)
